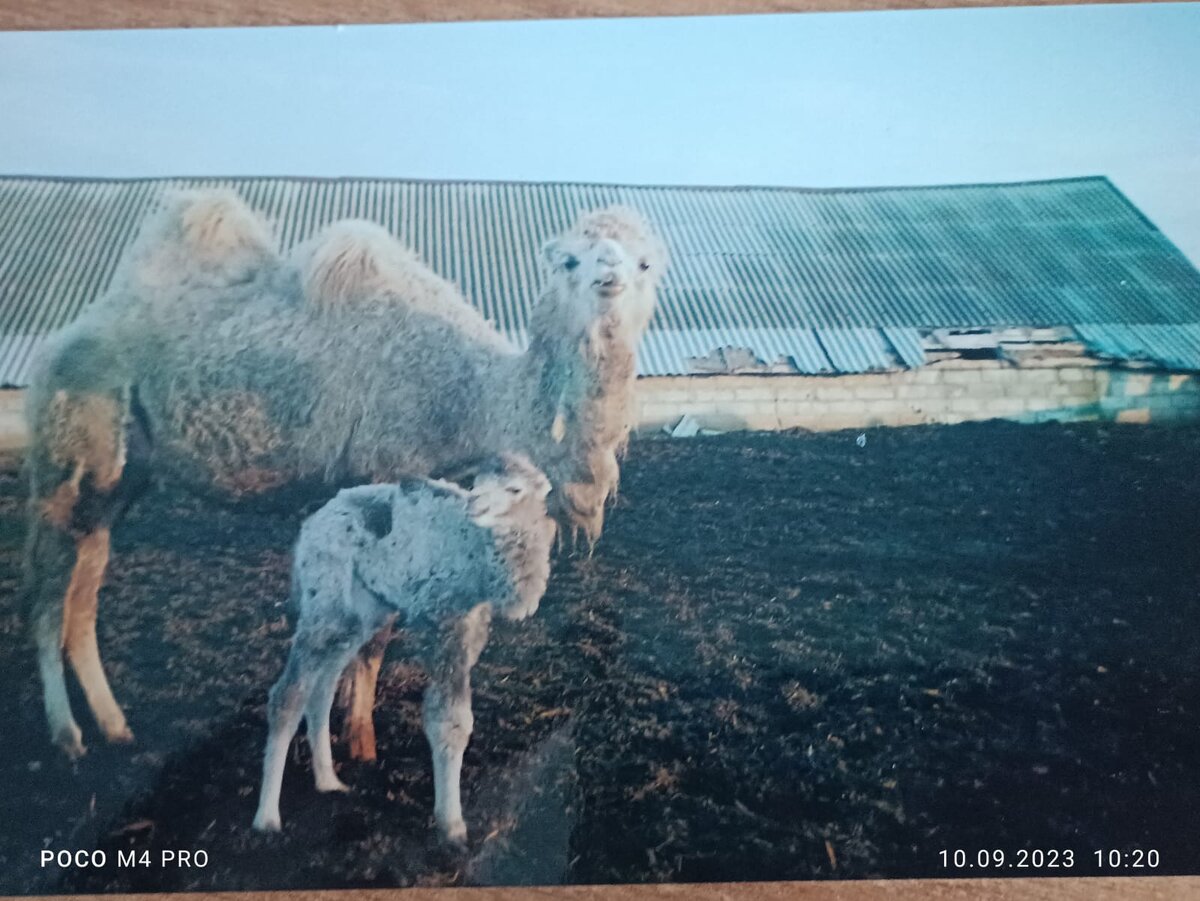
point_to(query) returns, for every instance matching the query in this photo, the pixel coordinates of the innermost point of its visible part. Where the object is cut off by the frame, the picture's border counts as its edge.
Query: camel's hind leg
(305, 689)
(76, 489)
(49, 561)
(285, 709)
(358, 695)
(79, 633)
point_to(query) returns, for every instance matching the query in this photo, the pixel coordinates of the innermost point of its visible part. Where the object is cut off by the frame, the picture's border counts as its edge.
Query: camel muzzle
(608, 287)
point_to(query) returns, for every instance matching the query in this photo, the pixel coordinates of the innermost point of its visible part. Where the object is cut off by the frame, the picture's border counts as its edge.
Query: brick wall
(949, 392)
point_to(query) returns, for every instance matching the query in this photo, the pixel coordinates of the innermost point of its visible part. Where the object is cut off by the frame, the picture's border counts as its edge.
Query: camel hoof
(455, 837)
(337, 785)
(70, 739)
(362, 747)
(267, 823)
(119, 736)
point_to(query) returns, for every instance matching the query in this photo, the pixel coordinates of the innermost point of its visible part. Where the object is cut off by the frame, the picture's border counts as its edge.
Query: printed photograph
(661, 450)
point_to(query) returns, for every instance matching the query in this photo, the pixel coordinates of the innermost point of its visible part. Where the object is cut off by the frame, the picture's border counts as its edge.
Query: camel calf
(433, 556)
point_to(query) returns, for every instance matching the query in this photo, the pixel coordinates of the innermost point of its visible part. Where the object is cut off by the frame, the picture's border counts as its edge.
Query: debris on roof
(735, 360)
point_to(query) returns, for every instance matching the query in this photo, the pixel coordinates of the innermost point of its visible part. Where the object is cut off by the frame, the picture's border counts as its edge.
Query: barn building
(782, 307)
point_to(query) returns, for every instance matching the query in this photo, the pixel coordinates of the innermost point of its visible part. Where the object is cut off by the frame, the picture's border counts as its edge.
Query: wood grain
(56, 14)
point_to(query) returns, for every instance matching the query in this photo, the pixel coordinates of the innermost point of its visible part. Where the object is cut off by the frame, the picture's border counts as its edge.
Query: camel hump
(200, 238)
(352, 261)
(357, 265)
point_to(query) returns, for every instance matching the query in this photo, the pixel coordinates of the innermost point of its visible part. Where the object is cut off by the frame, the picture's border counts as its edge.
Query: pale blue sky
(820, 100)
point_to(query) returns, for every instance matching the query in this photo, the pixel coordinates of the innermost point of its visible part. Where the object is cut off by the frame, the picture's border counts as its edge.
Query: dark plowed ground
(790, 657)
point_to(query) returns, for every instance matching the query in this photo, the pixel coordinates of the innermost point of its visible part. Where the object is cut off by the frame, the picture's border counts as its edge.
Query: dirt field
(790, 657)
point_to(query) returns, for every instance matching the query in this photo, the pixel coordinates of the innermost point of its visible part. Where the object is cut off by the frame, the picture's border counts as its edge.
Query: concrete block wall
(12, 420)
(949, 392)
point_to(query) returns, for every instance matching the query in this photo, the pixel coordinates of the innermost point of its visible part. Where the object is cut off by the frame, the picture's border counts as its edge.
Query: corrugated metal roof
(1170, 346)
(857, 349)
(832, 280)
(907, 344)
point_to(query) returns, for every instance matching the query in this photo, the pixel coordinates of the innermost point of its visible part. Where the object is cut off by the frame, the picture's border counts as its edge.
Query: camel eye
(571, 263)
(643, 265)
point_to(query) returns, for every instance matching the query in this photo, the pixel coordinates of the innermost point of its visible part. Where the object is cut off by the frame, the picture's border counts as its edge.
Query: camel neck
(572, 383)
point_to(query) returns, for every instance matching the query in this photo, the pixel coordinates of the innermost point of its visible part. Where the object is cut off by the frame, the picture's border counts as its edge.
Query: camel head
(509, 490)
(509, 499)
(607, 266)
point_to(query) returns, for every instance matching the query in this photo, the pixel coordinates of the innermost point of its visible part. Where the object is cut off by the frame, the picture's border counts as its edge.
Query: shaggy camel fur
(216, 364)
(439, 559)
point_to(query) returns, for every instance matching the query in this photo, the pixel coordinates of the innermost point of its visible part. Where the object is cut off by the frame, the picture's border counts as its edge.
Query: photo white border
(55, 15)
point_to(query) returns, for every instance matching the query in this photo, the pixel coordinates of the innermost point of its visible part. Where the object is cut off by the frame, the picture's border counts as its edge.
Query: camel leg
(448, 719)
(316, 715)
(75, 473)
(305, 689)
(49, 560)
(284, 710)
(358, 696)
(79, 633)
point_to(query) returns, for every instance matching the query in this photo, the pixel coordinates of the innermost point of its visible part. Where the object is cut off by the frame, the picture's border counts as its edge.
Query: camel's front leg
(358, 695)
(448, 719)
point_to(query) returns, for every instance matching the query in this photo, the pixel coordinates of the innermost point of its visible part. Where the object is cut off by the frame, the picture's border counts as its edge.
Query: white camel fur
(439, 558)
(217, 364)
